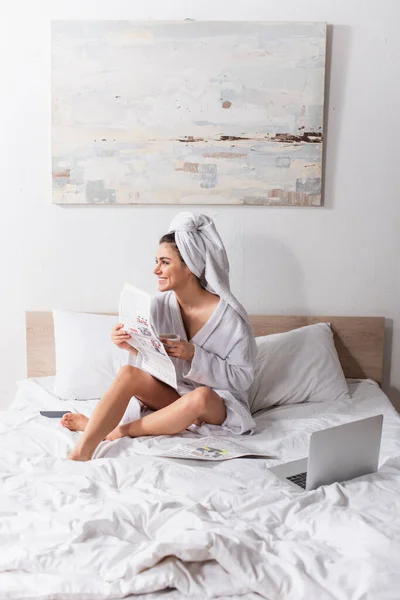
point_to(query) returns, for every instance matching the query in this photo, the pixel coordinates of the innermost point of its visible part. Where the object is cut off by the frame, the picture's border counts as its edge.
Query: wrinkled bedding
(133, 525)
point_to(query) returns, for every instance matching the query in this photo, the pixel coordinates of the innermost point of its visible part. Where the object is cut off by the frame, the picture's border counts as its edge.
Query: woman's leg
(152, 393)
(203, 405)
(129, 382)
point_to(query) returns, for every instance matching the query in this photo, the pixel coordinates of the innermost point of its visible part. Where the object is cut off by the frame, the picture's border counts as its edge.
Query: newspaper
(206, 448)
(134, 313)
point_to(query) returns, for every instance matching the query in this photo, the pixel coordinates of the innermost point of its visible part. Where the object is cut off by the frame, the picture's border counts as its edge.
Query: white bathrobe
(224, 358)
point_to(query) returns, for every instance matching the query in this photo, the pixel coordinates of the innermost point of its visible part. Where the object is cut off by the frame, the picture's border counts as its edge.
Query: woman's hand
(121, 337)
(181, 349)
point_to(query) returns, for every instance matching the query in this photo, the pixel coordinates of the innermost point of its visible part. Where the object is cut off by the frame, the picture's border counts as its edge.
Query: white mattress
(158, 527)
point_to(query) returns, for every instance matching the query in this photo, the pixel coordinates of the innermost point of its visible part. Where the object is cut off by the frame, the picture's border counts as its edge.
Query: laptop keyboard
(300, 479)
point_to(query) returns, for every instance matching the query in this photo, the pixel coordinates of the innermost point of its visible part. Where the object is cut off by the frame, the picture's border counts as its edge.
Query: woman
(214, 357)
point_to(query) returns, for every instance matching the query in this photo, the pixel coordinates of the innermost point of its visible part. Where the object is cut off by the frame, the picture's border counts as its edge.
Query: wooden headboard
(358, 340)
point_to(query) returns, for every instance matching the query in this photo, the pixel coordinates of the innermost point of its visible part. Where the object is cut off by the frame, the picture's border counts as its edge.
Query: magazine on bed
(134, 313)
(205, 448)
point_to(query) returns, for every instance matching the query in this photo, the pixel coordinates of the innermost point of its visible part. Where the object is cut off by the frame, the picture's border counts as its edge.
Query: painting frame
(188, 112)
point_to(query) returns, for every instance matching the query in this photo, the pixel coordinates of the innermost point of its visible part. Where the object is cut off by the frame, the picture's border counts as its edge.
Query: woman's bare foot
(80, 454)
(74, 421)
(115, 434)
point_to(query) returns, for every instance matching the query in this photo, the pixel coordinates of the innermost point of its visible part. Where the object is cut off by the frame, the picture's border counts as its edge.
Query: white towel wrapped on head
(204, 254)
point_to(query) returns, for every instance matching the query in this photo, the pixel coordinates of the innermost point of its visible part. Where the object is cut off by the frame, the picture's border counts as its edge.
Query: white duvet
(131, 525)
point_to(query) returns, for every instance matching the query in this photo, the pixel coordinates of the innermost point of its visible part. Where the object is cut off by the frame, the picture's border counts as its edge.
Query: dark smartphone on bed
(54, 414)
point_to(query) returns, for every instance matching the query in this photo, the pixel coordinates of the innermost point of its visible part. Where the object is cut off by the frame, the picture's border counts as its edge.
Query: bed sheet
(145, 526)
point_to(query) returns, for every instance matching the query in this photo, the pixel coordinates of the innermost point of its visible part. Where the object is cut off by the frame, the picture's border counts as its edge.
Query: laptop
(336, 454)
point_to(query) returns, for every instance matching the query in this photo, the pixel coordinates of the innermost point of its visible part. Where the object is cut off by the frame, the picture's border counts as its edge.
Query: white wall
(340, 259)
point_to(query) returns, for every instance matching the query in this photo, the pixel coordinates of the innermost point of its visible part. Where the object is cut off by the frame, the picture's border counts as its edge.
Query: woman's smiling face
(171, 272)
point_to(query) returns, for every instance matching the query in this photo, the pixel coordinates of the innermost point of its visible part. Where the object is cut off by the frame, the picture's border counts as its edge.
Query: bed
(134, 525)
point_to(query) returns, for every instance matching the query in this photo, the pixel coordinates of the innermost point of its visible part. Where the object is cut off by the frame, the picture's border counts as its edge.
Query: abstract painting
(187, 112)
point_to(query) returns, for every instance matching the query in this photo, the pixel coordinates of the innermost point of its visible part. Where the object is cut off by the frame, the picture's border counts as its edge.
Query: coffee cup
(169, 337)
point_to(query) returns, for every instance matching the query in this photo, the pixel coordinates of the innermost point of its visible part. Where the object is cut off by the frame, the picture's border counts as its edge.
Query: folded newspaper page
(134, 313)
(207, 448)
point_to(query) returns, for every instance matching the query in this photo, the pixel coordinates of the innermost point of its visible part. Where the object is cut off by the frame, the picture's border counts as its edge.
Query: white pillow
(297, 366)
(86, 359)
